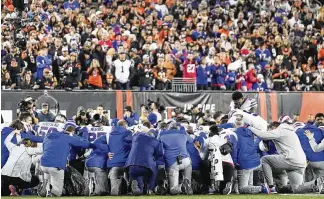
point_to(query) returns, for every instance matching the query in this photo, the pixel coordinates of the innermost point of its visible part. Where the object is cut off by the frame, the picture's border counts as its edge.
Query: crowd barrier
(270, 105)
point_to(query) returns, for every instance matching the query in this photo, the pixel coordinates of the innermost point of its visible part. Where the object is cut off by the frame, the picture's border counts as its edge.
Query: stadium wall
(271, 105)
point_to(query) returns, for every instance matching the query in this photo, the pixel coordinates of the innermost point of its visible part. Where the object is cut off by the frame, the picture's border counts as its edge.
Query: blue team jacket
(120, 142)
(174, 143)
(318, 136)
(56, 148)
(194, 154)
(247, 155)
(144, 152)
(99, 156)
(4, 150)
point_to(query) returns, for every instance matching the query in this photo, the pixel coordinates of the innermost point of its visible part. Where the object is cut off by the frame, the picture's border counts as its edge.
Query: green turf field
(274, 196)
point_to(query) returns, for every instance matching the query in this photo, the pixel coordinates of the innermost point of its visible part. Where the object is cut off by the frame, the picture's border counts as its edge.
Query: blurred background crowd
(246, 45)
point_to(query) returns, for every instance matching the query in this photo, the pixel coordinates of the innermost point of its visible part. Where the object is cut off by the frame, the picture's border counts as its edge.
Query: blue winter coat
(57, 146)
(247, 155)
(318, 136)
(174, 143)
(119, 143)
(4, 150)
(145, 151)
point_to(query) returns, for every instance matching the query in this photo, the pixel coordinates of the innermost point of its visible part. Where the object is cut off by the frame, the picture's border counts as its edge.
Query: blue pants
(145, 88)
(141, 174)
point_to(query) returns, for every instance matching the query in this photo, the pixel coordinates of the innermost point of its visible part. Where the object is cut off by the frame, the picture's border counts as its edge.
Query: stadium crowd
(259, 45)
(191, 153)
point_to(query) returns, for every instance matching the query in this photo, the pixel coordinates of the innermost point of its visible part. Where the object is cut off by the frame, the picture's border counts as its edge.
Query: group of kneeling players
(237, 153)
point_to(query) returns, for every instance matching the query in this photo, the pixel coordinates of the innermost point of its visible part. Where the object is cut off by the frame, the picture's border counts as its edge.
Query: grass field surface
(257, 196)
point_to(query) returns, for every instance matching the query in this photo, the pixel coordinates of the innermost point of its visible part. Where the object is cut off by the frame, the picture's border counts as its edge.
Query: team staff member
(15, 125)
(16, 172)
(247, 160)
(96, 163)
(316, 144)
(291, 157)
(56, 148)
(141, 162)
(177, 158)
(316, 159)
(119, 144)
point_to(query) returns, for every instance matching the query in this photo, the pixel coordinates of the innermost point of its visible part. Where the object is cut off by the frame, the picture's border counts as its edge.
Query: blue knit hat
(152, 118)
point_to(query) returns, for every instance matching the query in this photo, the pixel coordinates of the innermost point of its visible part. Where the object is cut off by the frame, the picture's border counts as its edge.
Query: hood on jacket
(6, 130)
(244, 131)
(54, 135)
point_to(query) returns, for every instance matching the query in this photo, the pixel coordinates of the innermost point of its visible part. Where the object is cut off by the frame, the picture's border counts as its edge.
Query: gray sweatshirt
(286, 142)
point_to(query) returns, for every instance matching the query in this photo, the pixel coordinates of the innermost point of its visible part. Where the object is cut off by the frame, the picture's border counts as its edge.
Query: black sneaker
(186, 188)
(228, 189)
(135, 190)
(160, 190)
(116, 190)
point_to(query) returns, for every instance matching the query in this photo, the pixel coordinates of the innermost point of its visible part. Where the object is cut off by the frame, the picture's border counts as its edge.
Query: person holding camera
(177, 158)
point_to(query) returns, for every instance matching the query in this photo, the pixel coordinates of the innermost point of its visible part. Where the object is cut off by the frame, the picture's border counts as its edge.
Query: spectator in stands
(218, 72)
(160, 74)
(95, 73)
(122, 70)
(47, 81)
(145, 73)
(72, 72)
(287, 32)
(27, 82)
(43, 61)
(203, 73)
(6, 82)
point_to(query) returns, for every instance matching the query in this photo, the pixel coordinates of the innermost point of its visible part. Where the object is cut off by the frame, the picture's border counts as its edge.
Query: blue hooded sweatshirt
(318, 136)
(247, 155)
(57, 146)
(4, 150)
(119, 143)
(194, 154)
(145, 151)
(174, 143)
(98, 157)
